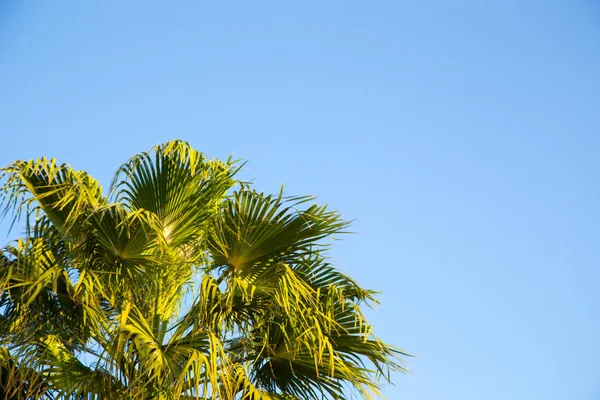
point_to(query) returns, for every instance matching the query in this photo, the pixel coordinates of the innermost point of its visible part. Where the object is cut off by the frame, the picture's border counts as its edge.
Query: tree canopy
(181, 283)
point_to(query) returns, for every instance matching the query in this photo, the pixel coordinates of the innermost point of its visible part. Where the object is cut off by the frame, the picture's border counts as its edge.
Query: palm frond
(255, 231)
(20, 381)
(59, 192)
(176, 183)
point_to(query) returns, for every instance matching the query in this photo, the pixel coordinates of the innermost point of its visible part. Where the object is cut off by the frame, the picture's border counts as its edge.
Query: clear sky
(462, 136)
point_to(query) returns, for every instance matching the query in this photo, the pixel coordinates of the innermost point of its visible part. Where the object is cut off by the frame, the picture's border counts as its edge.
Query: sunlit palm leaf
(257, 231)
(61, 193)
(178, 185)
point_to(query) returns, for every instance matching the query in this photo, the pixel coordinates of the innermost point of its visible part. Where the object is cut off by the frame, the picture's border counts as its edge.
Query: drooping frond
(62, 194)
(19, 380)
(321, 275)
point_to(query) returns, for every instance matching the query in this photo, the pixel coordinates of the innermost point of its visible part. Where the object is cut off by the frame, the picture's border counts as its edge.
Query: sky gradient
(462, 137)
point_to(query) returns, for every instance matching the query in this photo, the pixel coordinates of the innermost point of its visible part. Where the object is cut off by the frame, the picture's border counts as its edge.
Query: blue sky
(462, 138)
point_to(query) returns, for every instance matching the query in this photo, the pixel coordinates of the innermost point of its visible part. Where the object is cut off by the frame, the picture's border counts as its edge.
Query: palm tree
(182, 283)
